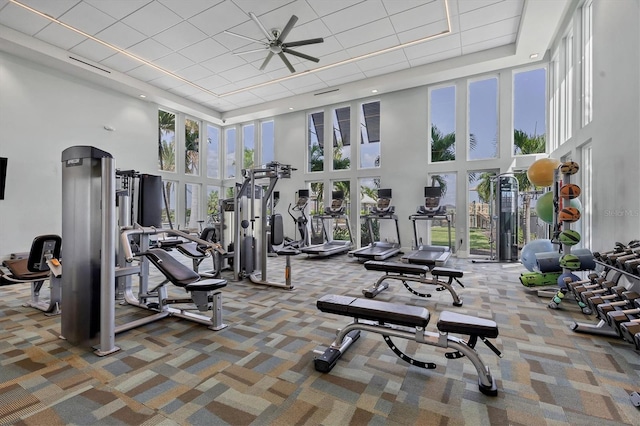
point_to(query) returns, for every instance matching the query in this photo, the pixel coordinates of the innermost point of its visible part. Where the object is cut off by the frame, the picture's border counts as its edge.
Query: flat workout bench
(386, 317)
(412, 272)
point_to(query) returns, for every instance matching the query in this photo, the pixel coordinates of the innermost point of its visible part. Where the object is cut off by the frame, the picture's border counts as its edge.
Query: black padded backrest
(171, 268)
(150, 201)
(277, 230)
(209, 234)
(42, 246)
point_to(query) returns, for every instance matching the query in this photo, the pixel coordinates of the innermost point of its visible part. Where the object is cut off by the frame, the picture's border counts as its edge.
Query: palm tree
(527, 144)
(248, 160)
(167, 154)
(443, 148)
(340, 163)
(316, 158)
(191, 165)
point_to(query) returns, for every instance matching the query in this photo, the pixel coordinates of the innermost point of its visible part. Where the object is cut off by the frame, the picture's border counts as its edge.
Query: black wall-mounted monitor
(3, 176)
(303, 193)
(384, 193)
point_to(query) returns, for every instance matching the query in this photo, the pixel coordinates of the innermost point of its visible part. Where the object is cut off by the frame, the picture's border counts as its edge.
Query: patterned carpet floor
(259, 370)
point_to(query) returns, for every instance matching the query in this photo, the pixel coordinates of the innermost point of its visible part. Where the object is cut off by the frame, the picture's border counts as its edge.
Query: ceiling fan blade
(266, 61)
(300, 55)
(246, 38)
(286, 62)
(250, 51)
(269, 36)
(288, 27)
(304, 42)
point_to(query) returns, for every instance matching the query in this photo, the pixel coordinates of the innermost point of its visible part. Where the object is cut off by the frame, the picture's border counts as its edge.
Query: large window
(341, 138)
(587, 63)
(529, 112)
(370, 135)
(340, 230)
(213, 152)
(191, 147)
(439, 228)
(267, 135)
(167, 141)
(368, 200)
(566, 122)
(587, 195)
(554, 103)
(248, 146)
(191, 205)
(230, 152)
(169, 187)
(442, 137)
(213, 204)
(315, 136)
(483, 119)
(481, 212)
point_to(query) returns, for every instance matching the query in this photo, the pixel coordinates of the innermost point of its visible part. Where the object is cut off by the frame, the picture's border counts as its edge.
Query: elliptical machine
(301, 220)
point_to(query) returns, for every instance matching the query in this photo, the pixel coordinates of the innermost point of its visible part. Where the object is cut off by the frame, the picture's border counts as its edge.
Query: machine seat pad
(20, 271)
(451, 322)
(191, 250)
(446, 272)
(286, 251)
(397, 267)
(373, 310)
(206, 285)
(176, 272)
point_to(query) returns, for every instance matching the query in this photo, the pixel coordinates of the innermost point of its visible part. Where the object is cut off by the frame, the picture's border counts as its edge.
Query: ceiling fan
(276, 44)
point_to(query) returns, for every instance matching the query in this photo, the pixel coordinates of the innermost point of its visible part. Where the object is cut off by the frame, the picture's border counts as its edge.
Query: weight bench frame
(411, 272)
(386, 319)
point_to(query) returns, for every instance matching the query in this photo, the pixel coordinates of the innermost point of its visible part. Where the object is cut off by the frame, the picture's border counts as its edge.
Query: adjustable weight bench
(204, 293)
(408, 322)
(412, 272)
(199, 252)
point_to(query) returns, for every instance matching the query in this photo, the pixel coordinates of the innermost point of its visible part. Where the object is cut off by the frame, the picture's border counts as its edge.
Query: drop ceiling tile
(330, 45)
(338, 71)
(364, 33)
(152, 19)
(385, 69)
(145, 73)
(187, 9)
(309, 88)
(419, 16)
(233, 43)
(92, 50)
(276, 96)
(221, 17)
(120, 62)
(185, 90)
(166, 82)
(60, 36)
(194, 72)
(118, 8)
(431, 47)
(374, 46)
(489, 44)
(242, 98)
(489, 14)
(430, 30)
(223, 62)
(466, 6)
(440, 56)
(271, 90)
(20, 19)
(180, 36)
(3, 3)
(383, 59)
(260, 7)
(213, 83)
(302, 81)
(345, 79)
(87, 18)
(258, 79)
(203, 50)
(173, 62)
(312, 29)
(326, 7)
(491, 31)
(51, 8)
(240, 73)
(149, 49)
(355, 16)
(278, 18)
(121, 35)
(394, 6)
(203, 97)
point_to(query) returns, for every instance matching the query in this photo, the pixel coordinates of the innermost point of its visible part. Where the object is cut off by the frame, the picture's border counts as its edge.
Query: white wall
(42, 112)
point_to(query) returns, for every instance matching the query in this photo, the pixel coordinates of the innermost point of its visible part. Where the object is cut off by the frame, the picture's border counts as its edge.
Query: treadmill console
(384, 206)
(432, 207)
(337, 204)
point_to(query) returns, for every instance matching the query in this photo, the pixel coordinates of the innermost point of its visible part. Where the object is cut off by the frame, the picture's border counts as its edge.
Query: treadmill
(425, 254)
(379, 250)
(330, 246)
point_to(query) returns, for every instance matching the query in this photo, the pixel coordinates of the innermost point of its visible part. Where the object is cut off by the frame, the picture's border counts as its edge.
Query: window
(370, 135)
(566, 123)
(554, 103)
(340, 230)
(248, 146)
(368, 199)
(230, 152)
(167, 141)
(267, 135)
(529, 112)
(213, 152)
(213, 204)
(439, 228)
(442, 138)
(483, 119)
(587, 195)
(587, 63)
(191, 147)
(481, 210)
(316, 142)
(169, 187)
(341, 138)
(191, 205)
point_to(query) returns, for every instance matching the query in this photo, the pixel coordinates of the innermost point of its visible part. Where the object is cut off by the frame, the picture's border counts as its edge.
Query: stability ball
(544, 206)
(540, 173)
(529, 251)
(571, 275)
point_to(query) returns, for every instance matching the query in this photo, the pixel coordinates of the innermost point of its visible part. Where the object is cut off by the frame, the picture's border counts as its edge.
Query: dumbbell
(605, 288)
(631, 265)
(626, 302)
(602, 255)
(592, 279)
(629, 329)
(616, 318)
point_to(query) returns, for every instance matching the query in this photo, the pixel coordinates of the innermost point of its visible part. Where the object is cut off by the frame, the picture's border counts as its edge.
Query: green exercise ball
(544, 206)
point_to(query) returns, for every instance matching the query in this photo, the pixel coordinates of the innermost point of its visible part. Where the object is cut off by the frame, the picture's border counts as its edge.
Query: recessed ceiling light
(290, 108)
(142, 96)
(533, 56)
(374, 91)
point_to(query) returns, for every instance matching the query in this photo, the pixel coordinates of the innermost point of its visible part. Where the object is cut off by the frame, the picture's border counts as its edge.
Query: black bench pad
(451, 322)
(171, 268)
(373, 310)
(206, 285)
(397, 267)
(191, 250)
(446, 272)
